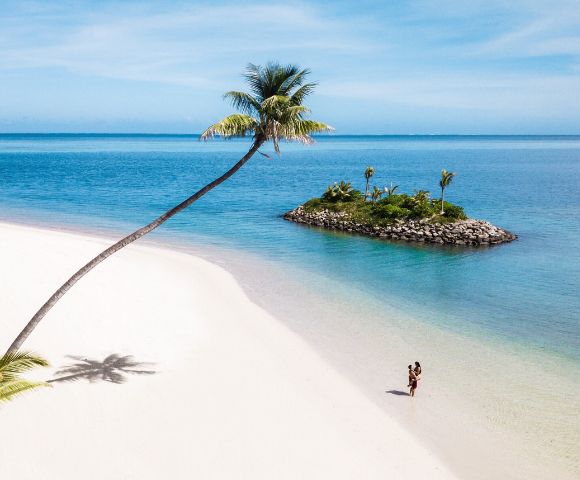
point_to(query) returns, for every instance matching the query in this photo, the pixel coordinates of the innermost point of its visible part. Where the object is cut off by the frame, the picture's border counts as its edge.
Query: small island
(385, 214)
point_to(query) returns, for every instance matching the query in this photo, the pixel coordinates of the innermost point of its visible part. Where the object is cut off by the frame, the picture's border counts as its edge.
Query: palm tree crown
(273, 110)
(12, 365)
(446, 178)
(369, 172)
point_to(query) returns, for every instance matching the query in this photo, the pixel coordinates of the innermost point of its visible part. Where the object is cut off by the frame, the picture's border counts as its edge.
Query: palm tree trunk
(367, 190)
(442, 199)
(38, 316)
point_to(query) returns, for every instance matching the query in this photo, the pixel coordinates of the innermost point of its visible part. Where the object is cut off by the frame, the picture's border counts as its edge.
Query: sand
(235, 394)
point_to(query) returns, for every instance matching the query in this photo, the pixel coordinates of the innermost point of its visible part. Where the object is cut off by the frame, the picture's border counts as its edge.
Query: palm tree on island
(369, 172)
(390, 191)
(273, 110)
(446, 178)
(376, 193)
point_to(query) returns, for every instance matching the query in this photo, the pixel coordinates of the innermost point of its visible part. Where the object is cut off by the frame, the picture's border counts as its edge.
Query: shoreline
(442, 418)
(282, 411)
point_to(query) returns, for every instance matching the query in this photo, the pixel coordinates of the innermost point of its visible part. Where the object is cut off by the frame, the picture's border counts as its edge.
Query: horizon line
(314, 135)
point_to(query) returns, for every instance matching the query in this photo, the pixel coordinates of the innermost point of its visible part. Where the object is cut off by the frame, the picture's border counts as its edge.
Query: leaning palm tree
(369, 172)
(273, 110)
(446, 178)
(12, 365)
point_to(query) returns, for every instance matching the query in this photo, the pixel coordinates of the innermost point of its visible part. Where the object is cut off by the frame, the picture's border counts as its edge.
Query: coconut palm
(330, 193)
(12, 365)
(273, 110)
(421, 196)
(446, 178)
(344, 191)
(390, 191)
(369, 172)
(340, 192)
(376, 193)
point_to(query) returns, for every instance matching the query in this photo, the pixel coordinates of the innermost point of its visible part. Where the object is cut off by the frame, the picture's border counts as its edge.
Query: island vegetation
(382, 206)
(383, 212)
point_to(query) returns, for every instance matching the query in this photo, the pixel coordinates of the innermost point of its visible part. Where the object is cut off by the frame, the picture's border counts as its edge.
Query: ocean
(506, 316)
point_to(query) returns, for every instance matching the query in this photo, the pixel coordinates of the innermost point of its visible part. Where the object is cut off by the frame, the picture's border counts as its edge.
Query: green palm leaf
(9, 390)
(12, 365)
(236, 125)
(243, 102)
(300, 94)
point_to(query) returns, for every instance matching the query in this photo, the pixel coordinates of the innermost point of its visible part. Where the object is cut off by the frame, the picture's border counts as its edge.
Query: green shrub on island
(342, 197)
(341, 192)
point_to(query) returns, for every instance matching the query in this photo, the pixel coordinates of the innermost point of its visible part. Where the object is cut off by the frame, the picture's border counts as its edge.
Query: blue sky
(390, 67)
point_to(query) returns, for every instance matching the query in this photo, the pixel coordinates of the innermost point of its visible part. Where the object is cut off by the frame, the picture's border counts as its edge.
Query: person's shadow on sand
(113, 368)
(398, 392)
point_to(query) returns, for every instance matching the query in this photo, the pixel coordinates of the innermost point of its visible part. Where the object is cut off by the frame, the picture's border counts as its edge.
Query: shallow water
(509, 314)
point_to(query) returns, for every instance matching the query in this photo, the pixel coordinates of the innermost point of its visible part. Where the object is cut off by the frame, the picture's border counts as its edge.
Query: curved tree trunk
(442, 199)
(35, 320)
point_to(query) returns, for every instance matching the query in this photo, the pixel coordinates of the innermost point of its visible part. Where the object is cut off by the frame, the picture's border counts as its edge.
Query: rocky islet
(468, 232)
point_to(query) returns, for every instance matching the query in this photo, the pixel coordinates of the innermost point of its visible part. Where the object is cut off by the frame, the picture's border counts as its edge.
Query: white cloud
(482, 55)
(492, 93)
(177, 47)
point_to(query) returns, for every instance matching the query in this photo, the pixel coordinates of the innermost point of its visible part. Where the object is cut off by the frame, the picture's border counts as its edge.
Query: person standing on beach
(417, 370)
(412, 381)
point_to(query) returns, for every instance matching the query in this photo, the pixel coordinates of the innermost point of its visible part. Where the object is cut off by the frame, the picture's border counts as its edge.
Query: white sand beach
(236, 395)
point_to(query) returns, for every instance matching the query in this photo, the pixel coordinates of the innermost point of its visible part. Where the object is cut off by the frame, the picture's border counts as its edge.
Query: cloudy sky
(393, 67)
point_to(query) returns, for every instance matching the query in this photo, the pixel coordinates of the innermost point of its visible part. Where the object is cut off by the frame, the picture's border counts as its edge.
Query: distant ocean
(522, 299)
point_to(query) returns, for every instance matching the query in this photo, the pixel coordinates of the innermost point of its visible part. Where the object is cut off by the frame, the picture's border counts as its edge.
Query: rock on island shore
(468, 232)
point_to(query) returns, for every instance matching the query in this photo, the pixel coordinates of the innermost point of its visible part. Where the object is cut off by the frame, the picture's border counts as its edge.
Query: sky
(383, 67)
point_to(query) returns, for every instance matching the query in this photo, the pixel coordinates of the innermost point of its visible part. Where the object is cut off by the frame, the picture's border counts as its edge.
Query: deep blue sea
(525, 292)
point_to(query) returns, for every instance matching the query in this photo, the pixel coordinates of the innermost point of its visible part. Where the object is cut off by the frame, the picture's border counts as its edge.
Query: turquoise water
(525, 292)
(507, 315)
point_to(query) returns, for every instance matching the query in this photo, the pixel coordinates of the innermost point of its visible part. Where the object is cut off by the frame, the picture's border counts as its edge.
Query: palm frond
(274, 102)
(299, 95)
(253, 76)
(14, 364)
(293, 81)
(236, 125)
(301, 128)
(244, 102)
(11, 389)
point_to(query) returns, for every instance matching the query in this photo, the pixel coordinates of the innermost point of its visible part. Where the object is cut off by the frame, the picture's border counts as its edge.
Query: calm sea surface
(525, 292)
(522, 297)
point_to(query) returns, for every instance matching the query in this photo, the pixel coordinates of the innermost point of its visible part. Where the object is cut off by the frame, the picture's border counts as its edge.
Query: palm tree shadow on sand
(113, 368)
